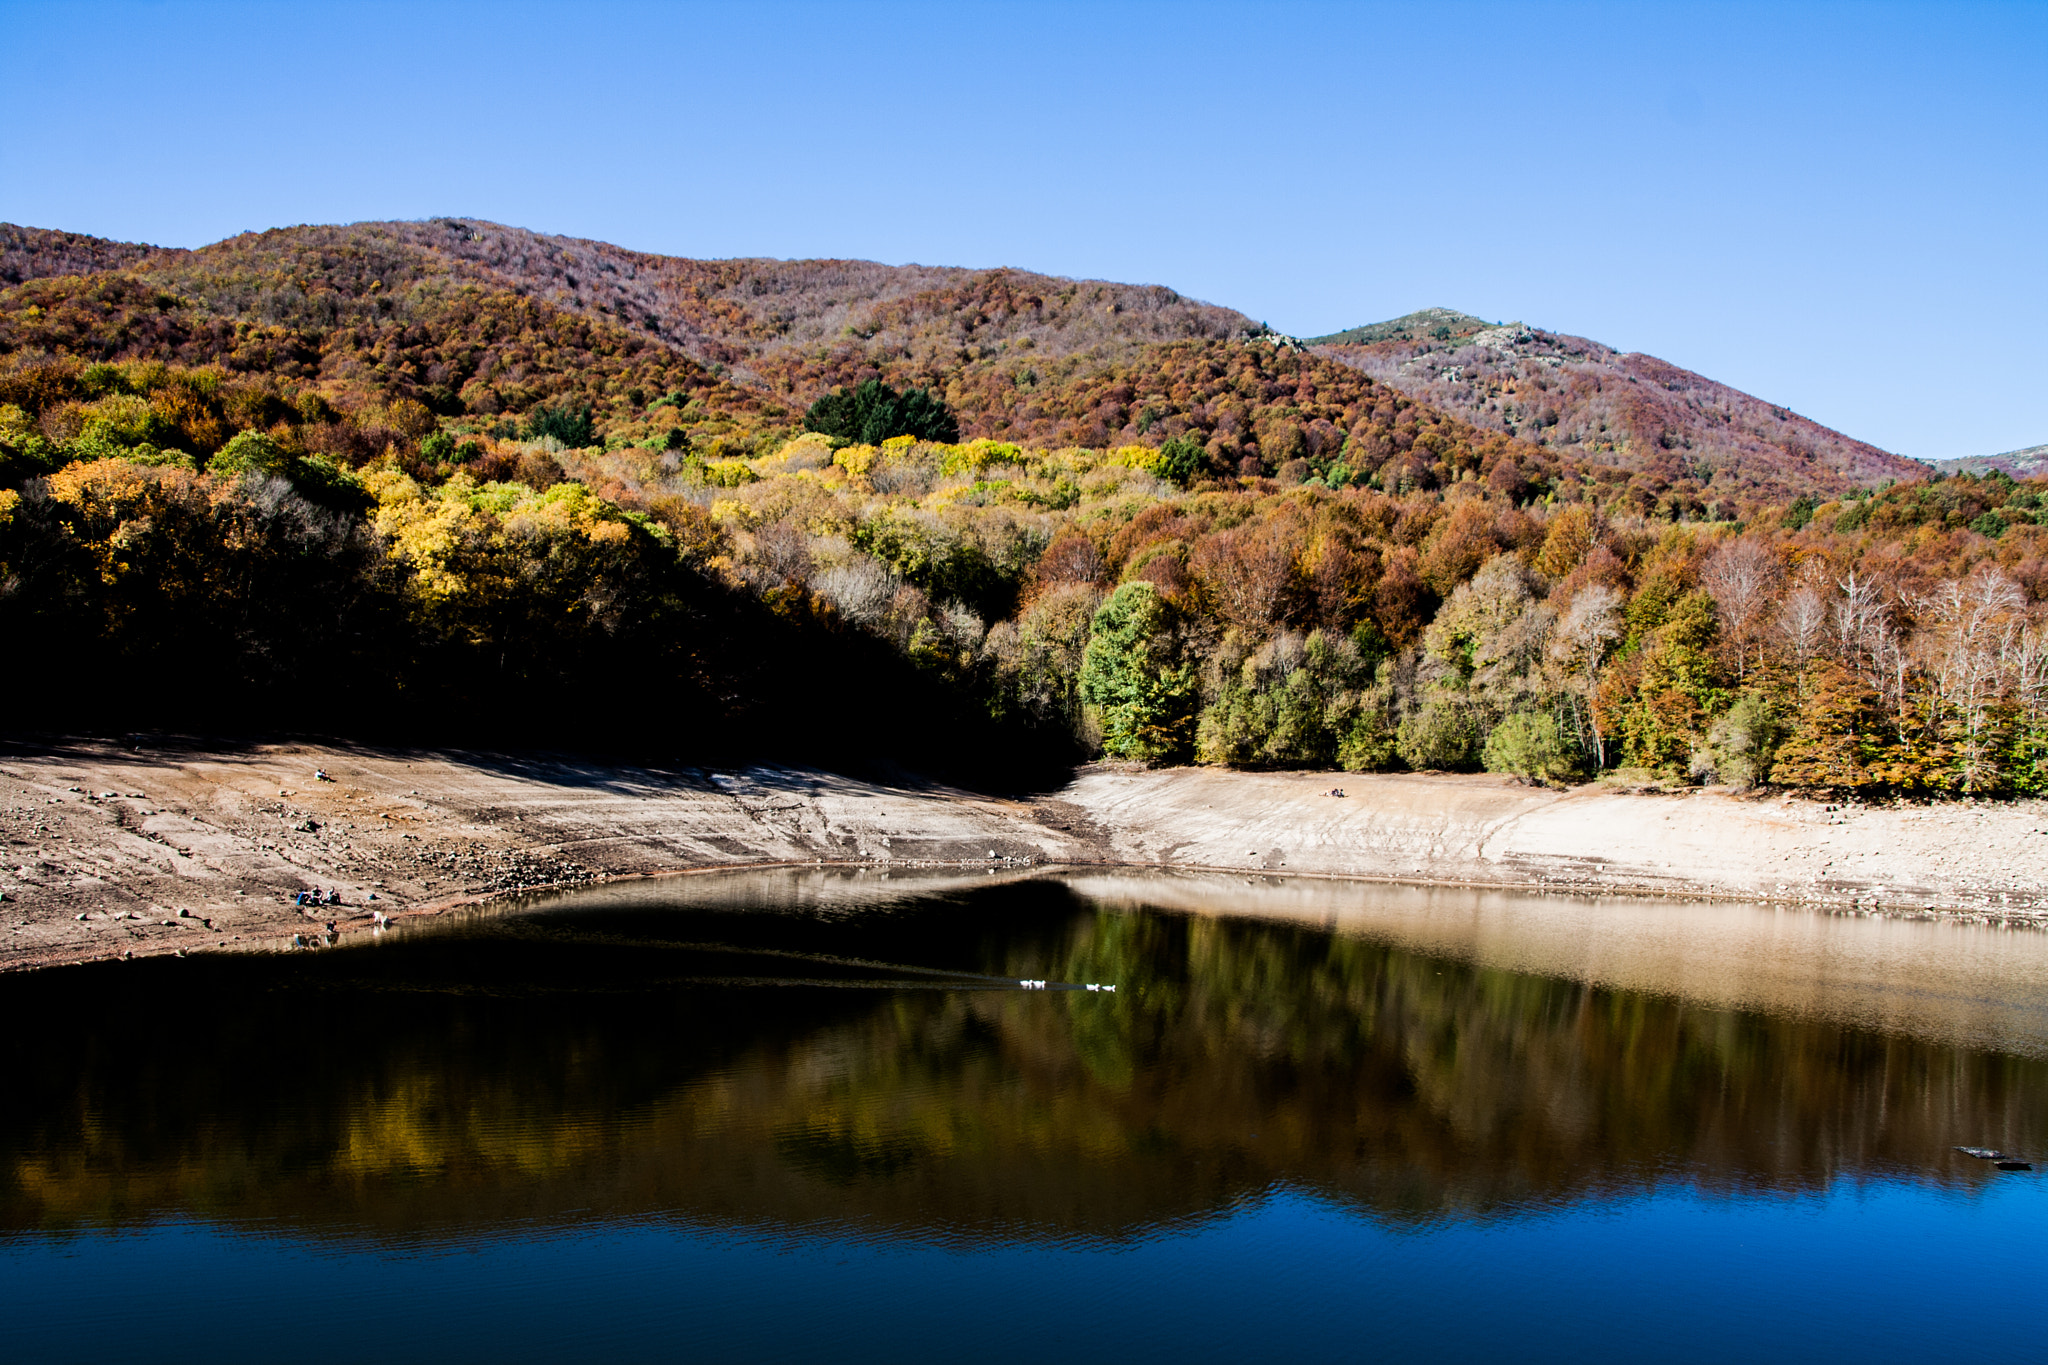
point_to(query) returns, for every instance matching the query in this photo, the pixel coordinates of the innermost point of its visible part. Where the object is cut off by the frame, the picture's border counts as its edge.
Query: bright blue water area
(1878, 1273)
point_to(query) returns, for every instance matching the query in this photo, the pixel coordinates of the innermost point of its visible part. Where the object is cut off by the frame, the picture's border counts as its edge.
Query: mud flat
(111, 849)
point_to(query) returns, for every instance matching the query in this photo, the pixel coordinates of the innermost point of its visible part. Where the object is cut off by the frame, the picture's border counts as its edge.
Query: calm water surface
(802, 1115)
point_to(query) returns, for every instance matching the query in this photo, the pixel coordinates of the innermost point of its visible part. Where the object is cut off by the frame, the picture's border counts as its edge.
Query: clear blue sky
(1841, 208)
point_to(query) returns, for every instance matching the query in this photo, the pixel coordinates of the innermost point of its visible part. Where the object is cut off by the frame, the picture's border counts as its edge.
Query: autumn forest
(456, 480)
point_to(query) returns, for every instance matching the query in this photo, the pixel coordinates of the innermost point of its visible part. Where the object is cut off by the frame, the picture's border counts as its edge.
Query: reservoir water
(813, 1114)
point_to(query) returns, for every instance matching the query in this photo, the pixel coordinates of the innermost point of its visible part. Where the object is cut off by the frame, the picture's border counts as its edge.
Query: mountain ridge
(421, 312)
(37, 253)
(1023, 357)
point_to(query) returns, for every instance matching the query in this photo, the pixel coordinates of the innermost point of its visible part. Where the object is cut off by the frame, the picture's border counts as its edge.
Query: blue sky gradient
(1841, 208)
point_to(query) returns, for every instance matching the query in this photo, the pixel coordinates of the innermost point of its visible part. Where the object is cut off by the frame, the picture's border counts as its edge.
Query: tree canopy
(874, 412)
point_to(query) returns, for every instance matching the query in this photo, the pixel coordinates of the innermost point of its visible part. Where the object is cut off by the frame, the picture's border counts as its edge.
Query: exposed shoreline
(105, 844)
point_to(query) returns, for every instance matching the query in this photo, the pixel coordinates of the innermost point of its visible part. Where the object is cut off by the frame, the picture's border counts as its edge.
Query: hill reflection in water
(820, 1051)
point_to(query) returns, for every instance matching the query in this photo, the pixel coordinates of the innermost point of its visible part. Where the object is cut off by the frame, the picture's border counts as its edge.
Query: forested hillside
(786, 315)
(31, 253)
(1704, 441)
(355, 479)
(1017, 356)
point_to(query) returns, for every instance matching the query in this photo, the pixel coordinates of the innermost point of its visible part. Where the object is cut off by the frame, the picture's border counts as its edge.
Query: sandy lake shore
(113, 849)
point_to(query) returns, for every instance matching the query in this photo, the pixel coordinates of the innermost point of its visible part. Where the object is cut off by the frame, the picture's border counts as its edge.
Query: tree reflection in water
(852, 1066)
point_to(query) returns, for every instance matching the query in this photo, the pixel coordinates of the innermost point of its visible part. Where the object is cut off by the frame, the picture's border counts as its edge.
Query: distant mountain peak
(1427, 324)
(1575, 395)
(2028, 463)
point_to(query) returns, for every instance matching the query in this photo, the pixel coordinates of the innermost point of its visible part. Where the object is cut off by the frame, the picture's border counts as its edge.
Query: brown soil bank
(111, 850)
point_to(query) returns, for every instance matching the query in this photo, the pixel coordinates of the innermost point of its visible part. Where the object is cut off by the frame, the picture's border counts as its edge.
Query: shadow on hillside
(713, 679)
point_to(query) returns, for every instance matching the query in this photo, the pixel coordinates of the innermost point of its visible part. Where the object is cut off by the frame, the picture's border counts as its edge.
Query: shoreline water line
(115, 852)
